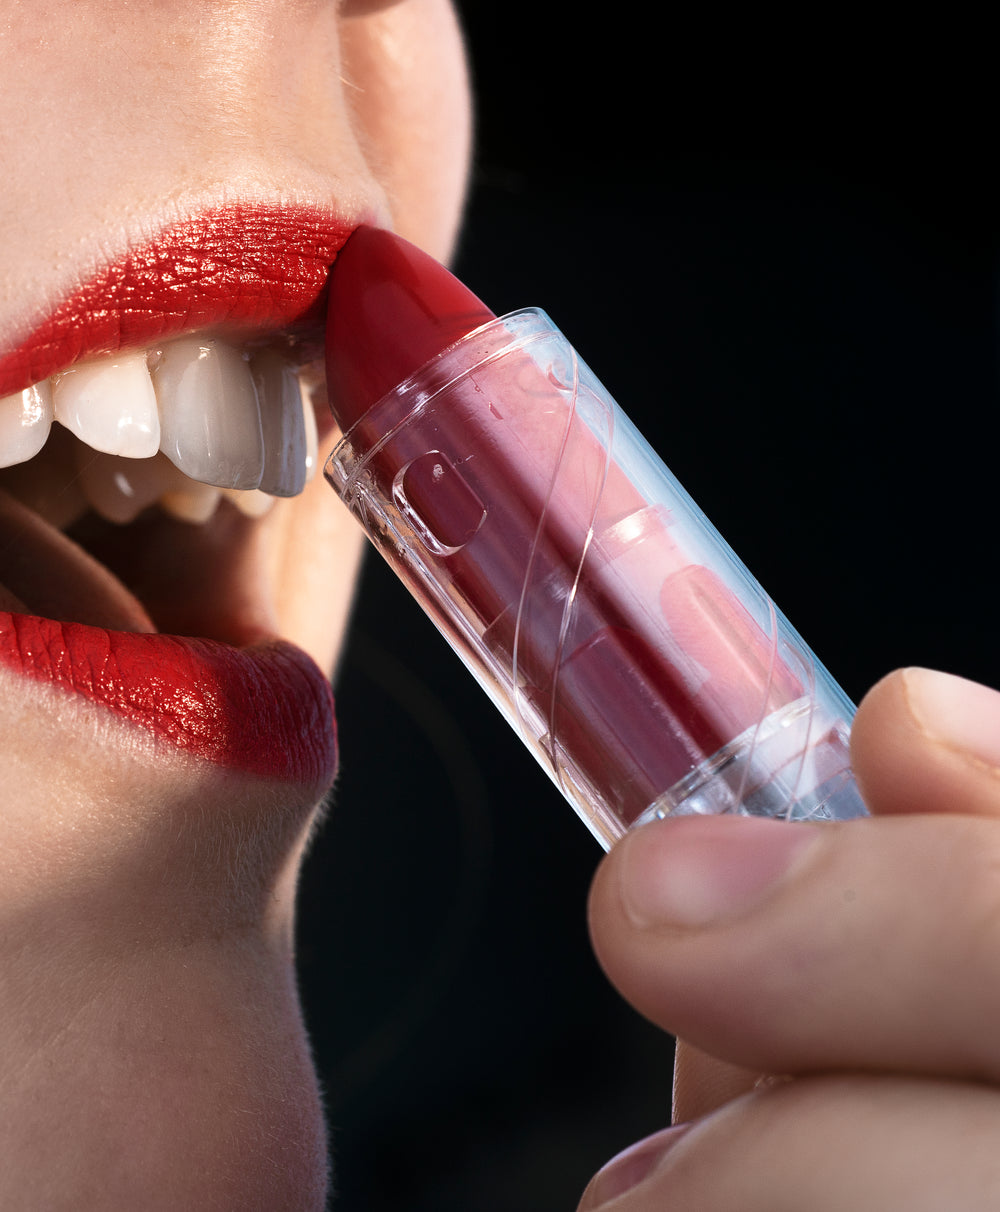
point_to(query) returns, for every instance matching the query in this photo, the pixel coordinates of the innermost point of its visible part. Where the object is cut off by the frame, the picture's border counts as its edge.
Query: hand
(859, 961)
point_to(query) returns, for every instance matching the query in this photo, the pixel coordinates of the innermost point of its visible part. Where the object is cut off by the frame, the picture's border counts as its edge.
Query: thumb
(785, 948)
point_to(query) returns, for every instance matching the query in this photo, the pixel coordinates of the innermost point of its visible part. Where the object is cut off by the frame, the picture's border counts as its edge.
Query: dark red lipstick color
(391, 308)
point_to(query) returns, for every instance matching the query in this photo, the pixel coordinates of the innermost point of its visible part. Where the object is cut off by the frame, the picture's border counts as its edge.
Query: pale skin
(861, 967)
(152, 1050)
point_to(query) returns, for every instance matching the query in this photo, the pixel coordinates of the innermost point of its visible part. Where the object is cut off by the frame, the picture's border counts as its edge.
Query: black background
(811, 345)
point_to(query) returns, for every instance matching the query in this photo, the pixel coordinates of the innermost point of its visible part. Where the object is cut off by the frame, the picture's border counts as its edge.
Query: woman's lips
(259, 705)
(243, 699)
(265, 710)
(242, 268)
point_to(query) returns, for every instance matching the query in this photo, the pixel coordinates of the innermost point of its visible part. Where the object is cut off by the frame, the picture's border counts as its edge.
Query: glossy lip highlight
(245, 269)
(265, 709)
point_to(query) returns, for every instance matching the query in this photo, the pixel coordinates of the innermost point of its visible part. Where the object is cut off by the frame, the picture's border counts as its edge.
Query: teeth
(174, 426)
(194, 503)
(211, 418)
(284, 430)
(253, 504)
(110, 405)
(25, 421)
(120, 489)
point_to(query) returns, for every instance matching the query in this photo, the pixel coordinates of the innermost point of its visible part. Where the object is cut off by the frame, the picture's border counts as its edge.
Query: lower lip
(265, 710)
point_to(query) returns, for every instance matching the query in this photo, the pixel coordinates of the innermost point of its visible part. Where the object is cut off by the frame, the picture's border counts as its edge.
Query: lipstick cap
(606, 618)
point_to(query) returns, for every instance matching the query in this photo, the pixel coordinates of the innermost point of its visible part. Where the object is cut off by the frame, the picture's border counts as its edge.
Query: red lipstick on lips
(245, 268)
(264, 708)
(640, 662)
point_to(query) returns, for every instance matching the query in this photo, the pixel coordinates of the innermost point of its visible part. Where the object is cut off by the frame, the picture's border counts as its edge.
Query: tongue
(46, 573)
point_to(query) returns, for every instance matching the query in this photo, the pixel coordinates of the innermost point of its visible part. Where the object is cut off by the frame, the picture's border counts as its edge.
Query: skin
(153, 1052)
(861, 968)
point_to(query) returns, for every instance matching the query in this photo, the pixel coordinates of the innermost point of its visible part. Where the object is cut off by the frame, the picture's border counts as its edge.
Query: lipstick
(609, 622)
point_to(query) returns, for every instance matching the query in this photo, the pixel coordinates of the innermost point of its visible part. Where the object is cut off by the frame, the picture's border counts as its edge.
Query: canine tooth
(194, 503)
(25, 421)
(254, 504)
(110, 405)
(282, 424)
(120, 489)
(209, 414)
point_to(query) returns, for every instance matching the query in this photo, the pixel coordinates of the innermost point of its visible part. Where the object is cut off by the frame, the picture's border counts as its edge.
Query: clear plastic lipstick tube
(596, 605)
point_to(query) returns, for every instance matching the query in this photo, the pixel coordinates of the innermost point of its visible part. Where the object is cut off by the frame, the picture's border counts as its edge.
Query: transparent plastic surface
(613, 627)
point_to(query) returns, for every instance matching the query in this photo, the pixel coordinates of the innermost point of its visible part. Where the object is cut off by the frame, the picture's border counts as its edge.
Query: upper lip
(248, 270)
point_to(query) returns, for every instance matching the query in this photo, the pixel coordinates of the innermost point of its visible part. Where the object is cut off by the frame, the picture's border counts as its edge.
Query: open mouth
(155, 418)
(178, 425)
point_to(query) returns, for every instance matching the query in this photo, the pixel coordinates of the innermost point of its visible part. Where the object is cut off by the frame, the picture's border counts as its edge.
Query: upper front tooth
(211, 427)
(110, 405)
(283, 425)
(25, 421)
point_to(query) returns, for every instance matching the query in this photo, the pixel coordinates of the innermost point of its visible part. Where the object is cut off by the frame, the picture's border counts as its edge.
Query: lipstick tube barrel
(614, 628)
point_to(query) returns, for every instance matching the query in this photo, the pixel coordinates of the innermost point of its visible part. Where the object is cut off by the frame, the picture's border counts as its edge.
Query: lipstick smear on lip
(266, 710)
(245, 267)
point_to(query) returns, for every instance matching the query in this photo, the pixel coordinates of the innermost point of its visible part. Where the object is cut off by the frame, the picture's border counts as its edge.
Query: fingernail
(629, 1168)
(955, 712)
(697, 871)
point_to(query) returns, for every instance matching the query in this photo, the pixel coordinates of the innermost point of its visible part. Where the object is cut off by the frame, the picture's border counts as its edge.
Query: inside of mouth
(141, 543)
(182, 425)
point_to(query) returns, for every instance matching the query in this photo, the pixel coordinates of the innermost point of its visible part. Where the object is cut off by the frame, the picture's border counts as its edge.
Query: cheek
(413, 114)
